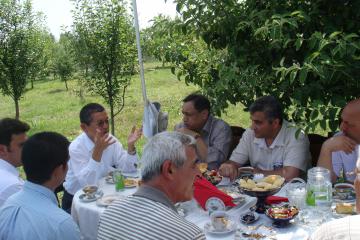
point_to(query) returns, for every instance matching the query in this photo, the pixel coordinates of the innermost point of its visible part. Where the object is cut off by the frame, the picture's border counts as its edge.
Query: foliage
(105, 30)
(63, 59)
(306, 53)
(19, 48)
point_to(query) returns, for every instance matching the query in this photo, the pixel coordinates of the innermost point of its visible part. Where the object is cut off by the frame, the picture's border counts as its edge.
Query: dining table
(87, 216)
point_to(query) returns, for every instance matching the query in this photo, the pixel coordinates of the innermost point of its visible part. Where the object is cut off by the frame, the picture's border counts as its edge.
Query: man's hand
(228, 170)
(101, 141)
(340, 143)
(134, 135)
(187, 131)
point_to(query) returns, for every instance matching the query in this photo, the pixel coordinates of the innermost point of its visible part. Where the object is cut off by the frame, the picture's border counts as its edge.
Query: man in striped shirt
(168, 168)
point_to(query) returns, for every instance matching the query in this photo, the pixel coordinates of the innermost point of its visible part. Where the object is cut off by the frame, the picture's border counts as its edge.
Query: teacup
(90, 191)
(219, 220)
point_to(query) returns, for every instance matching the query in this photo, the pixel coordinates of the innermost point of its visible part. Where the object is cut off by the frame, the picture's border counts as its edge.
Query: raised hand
(134, 135)
(101, 141)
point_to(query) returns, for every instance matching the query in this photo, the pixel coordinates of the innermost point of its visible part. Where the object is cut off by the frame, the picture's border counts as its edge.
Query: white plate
(135, 174)
(108, 199)
(84, 198)
(109, 179)
(209, 229)
(214, 204)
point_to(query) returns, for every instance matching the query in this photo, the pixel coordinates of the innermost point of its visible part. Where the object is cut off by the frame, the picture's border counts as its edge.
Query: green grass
(49, 107)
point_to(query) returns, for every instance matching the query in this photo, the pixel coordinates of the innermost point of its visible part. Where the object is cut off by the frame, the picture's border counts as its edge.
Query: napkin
(203, 190)
(275, 199)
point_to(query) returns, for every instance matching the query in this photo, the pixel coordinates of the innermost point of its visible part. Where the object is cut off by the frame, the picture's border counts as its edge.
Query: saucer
(84, 198)
(109, 179)
(208, 228)
(108, 199)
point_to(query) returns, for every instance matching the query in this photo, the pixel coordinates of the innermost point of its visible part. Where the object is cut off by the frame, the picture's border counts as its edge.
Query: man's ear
(167, 169)
(83, 127)
(3, 151)
(205, 114)
(276, 122)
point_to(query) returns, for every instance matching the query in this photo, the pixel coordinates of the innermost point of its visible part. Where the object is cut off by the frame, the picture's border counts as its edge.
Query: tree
(17, 27)
(105, 29)
(63, 59)
(305, 53)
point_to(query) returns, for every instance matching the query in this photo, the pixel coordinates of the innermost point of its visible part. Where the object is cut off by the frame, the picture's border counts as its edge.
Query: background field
(50, 107)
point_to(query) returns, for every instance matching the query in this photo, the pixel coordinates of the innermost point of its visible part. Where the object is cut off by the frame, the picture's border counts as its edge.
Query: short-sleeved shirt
(343, 228)
(217, 135)
(10, 181)
(345, 162)
(286, 150)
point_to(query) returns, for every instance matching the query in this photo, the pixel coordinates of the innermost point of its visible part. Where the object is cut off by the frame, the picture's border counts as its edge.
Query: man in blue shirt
(32, 213)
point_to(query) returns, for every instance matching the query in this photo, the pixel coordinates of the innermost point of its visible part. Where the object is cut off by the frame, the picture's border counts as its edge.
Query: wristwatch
(197, 136)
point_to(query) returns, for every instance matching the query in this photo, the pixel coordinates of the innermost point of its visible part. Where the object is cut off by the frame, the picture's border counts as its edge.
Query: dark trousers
(67, 202)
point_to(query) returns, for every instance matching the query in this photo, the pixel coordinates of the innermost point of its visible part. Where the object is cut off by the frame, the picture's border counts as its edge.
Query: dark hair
(200, 102)
(42, 153)
(268, 105)
(9, 127)
(87, 110)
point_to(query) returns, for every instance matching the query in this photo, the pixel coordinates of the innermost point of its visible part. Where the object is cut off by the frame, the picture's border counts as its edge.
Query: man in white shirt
(12, 138)
(270, 145)
(95, 152)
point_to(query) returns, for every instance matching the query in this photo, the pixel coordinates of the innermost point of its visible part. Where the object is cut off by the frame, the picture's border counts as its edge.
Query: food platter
(282, 214)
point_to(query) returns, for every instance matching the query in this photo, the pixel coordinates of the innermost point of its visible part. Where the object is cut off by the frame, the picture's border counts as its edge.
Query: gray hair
(161, 147)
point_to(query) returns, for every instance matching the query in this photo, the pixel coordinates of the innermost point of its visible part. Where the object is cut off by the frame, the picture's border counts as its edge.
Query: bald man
(342, 150)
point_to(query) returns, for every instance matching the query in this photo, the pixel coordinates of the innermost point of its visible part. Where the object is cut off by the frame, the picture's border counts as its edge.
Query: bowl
(249, 217)
(90, 190)
(344, 191)
(282, 214)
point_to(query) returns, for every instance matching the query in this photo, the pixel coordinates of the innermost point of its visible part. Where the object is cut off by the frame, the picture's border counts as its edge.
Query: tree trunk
(112, 116)
(17, 112)
(32, 83)
(66, 85)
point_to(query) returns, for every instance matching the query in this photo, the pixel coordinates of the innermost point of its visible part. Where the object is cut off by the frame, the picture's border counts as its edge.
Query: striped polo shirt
(148, 214)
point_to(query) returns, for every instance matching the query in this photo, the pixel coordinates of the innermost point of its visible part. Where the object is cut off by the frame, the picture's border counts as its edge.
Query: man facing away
(12, 138)
(33, 213)
(342, 151)
(213, 136)
(168, 169)
(270, 144)
(95, 152)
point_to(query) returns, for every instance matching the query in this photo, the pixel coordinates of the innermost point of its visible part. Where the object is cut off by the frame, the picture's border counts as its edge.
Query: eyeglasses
(102, 122)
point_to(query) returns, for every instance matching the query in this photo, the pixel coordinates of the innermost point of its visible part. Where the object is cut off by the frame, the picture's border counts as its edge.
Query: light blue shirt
(32, 213)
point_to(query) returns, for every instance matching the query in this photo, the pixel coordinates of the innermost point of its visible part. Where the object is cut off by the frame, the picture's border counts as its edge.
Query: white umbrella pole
(139, 52)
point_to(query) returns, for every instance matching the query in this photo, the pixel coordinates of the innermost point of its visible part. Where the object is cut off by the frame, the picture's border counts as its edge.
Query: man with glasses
(95, 152)
(12, 138)
(213, 136)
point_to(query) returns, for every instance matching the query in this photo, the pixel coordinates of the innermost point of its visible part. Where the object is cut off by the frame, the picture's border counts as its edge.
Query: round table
(87, 216)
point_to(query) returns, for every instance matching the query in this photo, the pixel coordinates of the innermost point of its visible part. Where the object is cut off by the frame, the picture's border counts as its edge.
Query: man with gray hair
(270, 144)
(169, 169)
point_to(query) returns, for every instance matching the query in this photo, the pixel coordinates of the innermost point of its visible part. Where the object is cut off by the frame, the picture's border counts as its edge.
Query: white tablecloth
(87, 216)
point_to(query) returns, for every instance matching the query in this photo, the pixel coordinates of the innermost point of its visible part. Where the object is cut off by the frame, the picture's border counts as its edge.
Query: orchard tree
(305, 53)
(18, 24)
(64, 59)
(106, 32)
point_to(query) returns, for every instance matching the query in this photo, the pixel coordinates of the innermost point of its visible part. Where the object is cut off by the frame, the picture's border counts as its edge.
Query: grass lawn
(49, 107)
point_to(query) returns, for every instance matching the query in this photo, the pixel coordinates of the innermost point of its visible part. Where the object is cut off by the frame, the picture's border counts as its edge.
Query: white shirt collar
(278, 141)
(9, 168)
(88, 142)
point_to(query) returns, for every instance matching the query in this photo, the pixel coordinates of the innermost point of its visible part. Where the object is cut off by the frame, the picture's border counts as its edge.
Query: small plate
(135, 174)
(214, 204)
(249, 217)
(208, 228)
(131, 182)
(109, 179)
(108, 199)
(84, 198)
